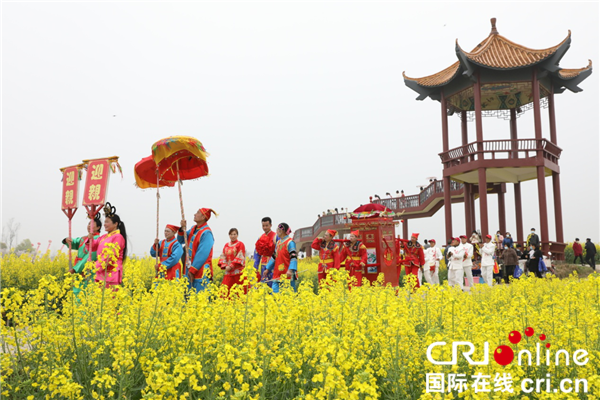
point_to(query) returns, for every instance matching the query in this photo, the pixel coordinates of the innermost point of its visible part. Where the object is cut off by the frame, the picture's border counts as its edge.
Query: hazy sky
(302, 107)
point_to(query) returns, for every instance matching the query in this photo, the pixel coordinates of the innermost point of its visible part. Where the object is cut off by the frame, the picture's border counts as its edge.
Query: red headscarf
(206, 212)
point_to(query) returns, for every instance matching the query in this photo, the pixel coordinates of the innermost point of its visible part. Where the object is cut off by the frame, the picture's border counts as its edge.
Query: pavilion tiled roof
(572, 73)
(498, 52)
(439, 78)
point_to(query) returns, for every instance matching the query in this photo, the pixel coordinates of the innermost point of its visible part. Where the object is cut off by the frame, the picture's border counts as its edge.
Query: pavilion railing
(395, 204)
(501, 149)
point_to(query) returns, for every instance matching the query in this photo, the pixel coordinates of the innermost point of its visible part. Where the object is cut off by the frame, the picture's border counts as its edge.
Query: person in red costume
(355, 254)
(264, 249)
(233, 260)
(329, 253)
(414, 258)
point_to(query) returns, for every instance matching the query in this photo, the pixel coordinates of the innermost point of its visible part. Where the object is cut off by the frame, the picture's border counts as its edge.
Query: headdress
(463, 236)
(488, 236)
(285, 227)
(432, 241)
(332, 232)
(109, 210)
(415, 235)
(174, 228)
(206, 212)
(355, 233)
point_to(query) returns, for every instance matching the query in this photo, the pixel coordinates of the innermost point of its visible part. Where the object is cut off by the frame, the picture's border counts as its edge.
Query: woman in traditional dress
(109, 267)
(233, 260)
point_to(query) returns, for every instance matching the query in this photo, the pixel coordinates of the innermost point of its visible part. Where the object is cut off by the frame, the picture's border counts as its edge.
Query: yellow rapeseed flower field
(153, 340)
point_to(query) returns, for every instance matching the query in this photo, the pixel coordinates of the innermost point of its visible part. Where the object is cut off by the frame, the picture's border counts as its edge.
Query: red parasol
(372, 210)
(185, 158)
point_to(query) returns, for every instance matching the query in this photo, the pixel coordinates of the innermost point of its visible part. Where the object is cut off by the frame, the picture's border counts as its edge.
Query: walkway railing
(501, 149)
(396, 204)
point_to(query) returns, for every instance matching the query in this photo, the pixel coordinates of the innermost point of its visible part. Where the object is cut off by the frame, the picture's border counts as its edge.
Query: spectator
(533, 239)
(590, 253)
(446, 252)
(535, 254)
(522, 258)
(578, 252)
(510, 260)
(508, 241)
(499, 242)
(426, 245)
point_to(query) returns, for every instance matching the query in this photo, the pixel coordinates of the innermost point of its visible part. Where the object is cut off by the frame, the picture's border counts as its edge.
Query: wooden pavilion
(503, 79)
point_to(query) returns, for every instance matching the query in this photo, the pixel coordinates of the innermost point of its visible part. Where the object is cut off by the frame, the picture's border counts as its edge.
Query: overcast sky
(302, 107)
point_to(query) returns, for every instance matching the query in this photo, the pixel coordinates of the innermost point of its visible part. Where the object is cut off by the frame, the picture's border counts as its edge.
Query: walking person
(329, 254)
(433, 255)
(533, 239)
(590, 253)
(487, 260)
(355, 255)
(508, 241)
(284, 262)
(414, 258)
(170, 252)
(533, 264)
(456, 255)
(233, 261)
(578, 252)
(510, 259)
(264, 249)
(109, 267)
(81, 244)
(468, 259)
(199, 249)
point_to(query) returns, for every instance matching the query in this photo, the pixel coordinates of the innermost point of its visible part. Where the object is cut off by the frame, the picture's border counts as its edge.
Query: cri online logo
(504, 355)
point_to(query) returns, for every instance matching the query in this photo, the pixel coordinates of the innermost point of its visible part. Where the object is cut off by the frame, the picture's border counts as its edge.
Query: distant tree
(24, 247)
(10, 233)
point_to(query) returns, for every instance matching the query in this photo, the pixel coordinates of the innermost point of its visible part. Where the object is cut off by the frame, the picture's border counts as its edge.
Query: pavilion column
(513, 133)
(472, 202)
(555, 175)
(501, 210)
(541, 173)
(467, 187)
(483, 212)
(552, 115)
(519, 212)
(446, 145)
(468, 213)
(405, 229)
(560, 238)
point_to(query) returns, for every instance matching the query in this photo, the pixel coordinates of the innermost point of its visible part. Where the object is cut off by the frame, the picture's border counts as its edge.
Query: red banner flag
(96, 182)
(70, 190)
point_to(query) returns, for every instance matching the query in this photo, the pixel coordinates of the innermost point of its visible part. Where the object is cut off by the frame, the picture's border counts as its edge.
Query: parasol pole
(187, 259)
(157, 215)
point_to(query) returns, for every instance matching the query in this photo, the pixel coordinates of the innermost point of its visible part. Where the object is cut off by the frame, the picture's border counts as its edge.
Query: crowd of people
(275, 257)
(487, 259)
